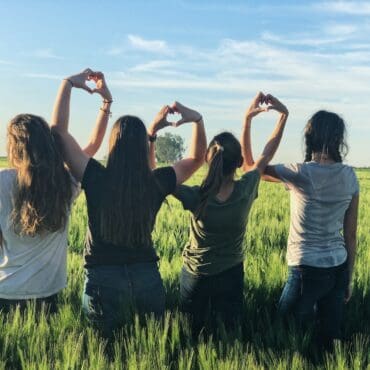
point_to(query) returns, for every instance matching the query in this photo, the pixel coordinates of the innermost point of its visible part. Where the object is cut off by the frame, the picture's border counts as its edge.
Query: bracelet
(107, 101)
(67, 79)
(106, 111)
(199, 119)
(152, 138)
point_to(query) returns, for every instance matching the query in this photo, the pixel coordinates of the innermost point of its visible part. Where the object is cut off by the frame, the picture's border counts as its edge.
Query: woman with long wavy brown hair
(123, 199)
(36, 194)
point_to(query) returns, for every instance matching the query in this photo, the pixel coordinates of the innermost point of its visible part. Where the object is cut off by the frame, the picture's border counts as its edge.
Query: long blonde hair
(43, 193)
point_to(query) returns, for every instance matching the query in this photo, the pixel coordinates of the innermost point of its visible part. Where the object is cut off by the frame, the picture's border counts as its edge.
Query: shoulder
(189, 196)
(253, 175)
(351, 176)
(166, 177)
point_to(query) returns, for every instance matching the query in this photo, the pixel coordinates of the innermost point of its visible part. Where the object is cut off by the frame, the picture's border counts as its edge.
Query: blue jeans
(316, 295)
(114, 293)
(210, 298)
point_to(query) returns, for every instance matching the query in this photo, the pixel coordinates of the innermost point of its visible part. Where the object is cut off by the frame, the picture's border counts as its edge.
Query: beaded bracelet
(106, 111)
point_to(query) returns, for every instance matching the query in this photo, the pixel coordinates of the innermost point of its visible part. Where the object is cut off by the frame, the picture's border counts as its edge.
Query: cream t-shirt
(30, 267)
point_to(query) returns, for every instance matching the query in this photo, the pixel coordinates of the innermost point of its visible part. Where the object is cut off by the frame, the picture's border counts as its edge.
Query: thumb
(179, 122)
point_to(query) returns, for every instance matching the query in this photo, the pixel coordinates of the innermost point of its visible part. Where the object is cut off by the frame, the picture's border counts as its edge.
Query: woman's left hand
(79, 80)
(160, 121)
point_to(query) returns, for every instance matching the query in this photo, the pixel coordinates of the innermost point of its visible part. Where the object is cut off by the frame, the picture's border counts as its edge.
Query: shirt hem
(32, 296)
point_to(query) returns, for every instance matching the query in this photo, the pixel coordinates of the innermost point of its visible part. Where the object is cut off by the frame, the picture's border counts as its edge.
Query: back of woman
(212, 278)
(322, 242)
(35, 199)
(217, 236)
(320, 196)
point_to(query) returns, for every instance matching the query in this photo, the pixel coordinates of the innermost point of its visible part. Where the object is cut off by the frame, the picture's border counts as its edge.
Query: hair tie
(219, 147)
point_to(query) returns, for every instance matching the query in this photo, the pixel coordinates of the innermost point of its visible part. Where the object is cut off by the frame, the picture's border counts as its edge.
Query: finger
(88, 71)
(87, 88)
(179, 122)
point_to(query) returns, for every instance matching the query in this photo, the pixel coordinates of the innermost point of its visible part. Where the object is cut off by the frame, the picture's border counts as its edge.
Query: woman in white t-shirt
(36, 193)
(324, 195)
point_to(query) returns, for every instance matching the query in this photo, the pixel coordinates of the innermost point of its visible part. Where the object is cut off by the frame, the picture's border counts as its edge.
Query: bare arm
(75, 157)
(350, 238)
(273, 141)
(159, 122)
(187, 166)
(99, 130)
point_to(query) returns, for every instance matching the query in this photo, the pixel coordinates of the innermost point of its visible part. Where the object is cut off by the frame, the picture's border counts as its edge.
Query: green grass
(67, 342)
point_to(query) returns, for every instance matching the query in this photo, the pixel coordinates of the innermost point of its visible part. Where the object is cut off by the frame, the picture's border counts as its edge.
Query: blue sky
(211, 55)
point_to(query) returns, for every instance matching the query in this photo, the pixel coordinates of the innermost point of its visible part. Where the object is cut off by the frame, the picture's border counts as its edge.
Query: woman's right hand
(275, 104)
(187, 114)
(101, 86)
(79, 80)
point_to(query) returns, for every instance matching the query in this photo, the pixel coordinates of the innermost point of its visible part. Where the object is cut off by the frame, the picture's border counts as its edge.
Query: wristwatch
(152, 138)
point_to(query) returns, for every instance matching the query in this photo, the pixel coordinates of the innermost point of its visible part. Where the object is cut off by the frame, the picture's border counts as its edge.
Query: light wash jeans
(113, 294)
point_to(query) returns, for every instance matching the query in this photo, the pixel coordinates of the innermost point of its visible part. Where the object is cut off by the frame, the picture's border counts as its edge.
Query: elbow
(198, 162)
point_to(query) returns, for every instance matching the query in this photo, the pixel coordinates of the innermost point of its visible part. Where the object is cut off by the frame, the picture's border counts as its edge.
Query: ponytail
(212, 183)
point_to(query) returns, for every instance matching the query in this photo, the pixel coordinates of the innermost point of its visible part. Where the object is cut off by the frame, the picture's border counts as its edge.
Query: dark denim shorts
(213, 298)
(113, 294)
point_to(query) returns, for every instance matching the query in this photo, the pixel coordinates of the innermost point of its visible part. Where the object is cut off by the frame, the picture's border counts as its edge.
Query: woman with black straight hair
(123, 199)
(212, 277)
(321, 252)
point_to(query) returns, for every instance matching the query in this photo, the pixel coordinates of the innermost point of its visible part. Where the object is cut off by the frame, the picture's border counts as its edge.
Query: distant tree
(169, 148)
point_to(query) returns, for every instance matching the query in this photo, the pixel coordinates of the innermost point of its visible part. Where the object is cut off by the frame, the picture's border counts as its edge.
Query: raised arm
(159, 122)
(273, 141)
(75, 157)
(350, 239)
(100, 128)
(198, 147)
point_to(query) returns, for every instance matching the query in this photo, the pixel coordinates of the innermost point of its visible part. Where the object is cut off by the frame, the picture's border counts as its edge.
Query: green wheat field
(65, 340)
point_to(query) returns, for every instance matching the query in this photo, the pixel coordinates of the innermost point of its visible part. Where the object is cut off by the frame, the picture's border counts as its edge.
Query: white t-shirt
(30, 267)
(319, 197)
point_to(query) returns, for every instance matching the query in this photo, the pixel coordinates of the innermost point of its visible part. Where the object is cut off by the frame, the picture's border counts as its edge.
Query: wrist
(67, 82)
(152, 131)
(152, 138)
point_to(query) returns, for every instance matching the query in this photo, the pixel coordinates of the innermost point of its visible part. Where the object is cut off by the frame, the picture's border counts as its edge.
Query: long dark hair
(126, 208)
(325, 133)
(43, 192)
(224, 156)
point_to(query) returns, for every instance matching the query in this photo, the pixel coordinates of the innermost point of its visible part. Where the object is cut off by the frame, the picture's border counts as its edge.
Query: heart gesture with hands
(79, 81)
(265, 103)
(161, 119)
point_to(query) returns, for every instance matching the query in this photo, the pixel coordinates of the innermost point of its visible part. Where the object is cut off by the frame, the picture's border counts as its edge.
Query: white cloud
(345, 7)
(44, 54)
(153, 46)
(42, 76)
(303, 40)
(151, 66)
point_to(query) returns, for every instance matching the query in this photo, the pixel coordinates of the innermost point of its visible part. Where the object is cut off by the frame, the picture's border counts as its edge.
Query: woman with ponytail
(324, 196)
(36, 195)
(123, 199)
(212, 277)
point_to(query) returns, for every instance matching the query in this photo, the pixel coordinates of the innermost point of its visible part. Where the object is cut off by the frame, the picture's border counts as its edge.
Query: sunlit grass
(66, 341)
